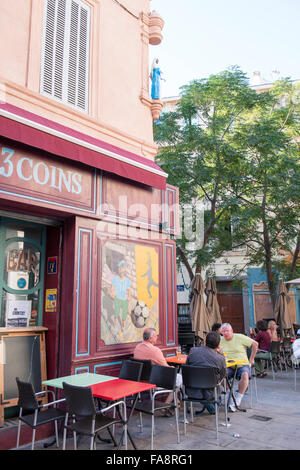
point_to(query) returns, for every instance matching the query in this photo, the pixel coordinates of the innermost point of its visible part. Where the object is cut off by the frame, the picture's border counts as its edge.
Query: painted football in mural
(139, 314)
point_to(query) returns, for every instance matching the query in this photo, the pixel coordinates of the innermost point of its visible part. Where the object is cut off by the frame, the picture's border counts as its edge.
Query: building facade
(82, 203)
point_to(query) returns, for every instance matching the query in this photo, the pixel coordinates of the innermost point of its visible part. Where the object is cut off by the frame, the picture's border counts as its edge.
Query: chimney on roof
(257, 78)
(275, 75)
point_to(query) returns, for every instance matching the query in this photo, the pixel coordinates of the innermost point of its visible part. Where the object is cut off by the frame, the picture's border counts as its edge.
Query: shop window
(21, 273)
(65, 52)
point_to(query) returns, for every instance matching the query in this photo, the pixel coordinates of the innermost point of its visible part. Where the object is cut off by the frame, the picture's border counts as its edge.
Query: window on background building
(65, 52)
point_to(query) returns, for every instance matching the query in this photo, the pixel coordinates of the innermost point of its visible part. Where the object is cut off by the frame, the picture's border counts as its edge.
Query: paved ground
(251, 430)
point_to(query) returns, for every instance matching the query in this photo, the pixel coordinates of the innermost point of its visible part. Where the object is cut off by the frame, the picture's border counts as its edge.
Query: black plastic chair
(252, 378)
(147, 367)
(286, 351)
(85, 419)
(131, 371)
(165, 378)
(295, 365)
(34, 416)
(275, 356)
(201, 378)
(296, 327)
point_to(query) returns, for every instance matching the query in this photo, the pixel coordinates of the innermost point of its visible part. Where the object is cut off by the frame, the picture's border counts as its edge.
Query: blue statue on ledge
(155, 76)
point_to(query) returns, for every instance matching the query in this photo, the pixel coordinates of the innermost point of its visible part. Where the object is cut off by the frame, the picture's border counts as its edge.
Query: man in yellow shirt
(235, 345)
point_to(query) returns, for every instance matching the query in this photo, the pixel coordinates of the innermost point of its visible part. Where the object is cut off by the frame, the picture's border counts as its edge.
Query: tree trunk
(268, 256)
(294, 261)
(185, 262)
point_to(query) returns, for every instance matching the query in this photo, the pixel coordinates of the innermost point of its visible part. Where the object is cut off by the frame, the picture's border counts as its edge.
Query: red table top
(117, 389)
(177, 360)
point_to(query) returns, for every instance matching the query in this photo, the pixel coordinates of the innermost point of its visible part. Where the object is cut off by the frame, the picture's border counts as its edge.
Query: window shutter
(59, 49)
(48, 47)
(65, 59)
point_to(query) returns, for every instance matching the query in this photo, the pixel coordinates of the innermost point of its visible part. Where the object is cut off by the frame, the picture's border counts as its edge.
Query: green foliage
(235, 149)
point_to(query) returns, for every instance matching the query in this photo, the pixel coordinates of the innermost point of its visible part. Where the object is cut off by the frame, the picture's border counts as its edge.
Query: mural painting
(129, 291)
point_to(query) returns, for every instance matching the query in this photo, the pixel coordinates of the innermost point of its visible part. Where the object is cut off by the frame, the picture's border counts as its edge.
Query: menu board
(18, 313)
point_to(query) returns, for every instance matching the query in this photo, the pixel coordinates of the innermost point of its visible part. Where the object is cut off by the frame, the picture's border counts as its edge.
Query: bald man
(147, 349)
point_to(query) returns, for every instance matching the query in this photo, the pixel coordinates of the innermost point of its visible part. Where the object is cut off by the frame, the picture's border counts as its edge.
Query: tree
(198, 151)
(236, 149)
(268, 190)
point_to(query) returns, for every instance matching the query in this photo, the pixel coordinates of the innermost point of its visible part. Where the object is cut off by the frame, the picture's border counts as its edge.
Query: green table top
(82, 380)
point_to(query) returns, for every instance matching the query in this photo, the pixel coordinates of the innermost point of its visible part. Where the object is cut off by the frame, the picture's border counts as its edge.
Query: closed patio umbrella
(212, 302)
(198, 310)
(281, 311)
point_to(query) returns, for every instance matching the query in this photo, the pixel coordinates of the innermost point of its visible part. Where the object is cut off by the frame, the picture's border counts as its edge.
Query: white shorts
(178, 380)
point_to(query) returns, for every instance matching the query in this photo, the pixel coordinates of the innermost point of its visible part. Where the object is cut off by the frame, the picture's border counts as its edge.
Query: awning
(36, 131)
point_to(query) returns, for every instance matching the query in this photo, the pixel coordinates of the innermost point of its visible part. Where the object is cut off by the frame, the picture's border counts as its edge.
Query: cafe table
(107, 388)
(117, 389)
(84, 379)
(181, 360)
(177, 360)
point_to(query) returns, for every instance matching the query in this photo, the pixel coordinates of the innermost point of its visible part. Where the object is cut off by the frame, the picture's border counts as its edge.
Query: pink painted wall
(119, 70)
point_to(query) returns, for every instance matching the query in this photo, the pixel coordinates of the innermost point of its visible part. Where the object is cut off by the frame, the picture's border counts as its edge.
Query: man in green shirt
(235, 346)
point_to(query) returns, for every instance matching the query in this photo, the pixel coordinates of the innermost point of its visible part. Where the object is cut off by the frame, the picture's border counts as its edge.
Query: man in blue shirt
(207, 356)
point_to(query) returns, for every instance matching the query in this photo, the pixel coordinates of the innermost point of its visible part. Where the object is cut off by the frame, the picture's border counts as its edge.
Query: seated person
(207, 356)
(235, 345)
(296, 349)
(216, 327)
(263, 339)
(147, 350)
(272, 330)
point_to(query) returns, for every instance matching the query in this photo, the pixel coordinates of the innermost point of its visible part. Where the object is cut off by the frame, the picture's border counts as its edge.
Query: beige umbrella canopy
(212, 302)
(198, 311)
(281, 311)
(294, 281)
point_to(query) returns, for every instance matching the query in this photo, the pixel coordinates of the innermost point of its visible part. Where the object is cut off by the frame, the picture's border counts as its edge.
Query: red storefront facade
(87, 220)
(92, 218)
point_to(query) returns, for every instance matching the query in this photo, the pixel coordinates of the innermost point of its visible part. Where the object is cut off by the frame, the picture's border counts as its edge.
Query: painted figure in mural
(156, 76)
(121, 293)
(148, 274)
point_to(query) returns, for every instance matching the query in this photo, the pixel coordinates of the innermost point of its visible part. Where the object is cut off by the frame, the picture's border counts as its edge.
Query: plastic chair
(252, 379)
(147, 367)
(286, 350)
(131, 371)
(28, 402)
(296, 365)
(296, 327)
(275, 355)
(165, 378)
(86, 419)
(201, 378)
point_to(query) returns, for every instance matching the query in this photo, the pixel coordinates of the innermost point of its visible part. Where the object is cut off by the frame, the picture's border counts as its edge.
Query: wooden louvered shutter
(65, 60)
(78, 56)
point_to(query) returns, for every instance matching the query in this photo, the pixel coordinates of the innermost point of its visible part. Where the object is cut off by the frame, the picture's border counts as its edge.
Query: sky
(201, 38)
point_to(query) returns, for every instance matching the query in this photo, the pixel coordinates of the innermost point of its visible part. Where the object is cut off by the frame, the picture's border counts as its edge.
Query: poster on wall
(18, 313)
(129, 291)
(51, 300)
